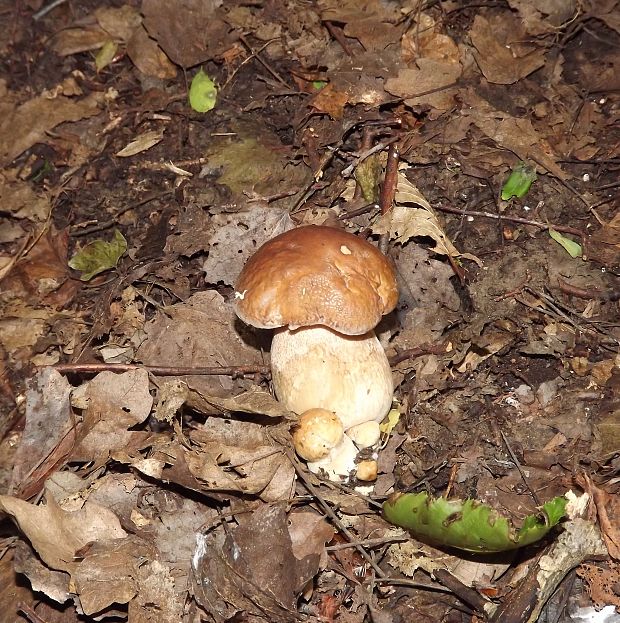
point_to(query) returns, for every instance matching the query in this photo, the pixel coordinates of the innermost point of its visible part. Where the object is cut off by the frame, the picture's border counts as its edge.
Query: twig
(514, 219)
(463, 592)
(369, 207)
(518, 466)
(514, 291)
(247, 60)
(331, 514)
(266, 65)
(418, 351)
(336, 33)
(592, 293)
(46, 9)
(367, 543)
(93, 368)
(114, 221)
(347, 171)
(29, 613)
(388, 190)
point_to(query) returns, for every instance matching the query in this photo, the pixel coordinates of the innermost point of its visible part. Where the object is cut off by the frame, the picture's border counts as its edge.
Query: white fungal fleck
(240, 295)
(345, 250)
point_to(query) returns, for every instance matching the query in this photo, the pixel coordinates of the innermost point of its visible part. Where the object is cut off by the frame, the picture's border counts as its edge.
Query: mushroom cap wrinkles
(316, 275)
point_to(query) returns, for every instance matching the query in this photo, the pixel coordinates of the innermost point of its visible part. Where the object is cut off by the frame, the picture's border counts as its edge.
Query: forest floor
(138, 485)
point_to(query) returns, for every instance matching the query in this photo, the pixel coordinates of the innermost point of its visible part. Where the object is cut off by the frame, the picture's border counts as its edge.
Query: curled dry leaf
(404, 221)
(29, 123)
(57, 534)
(148, 57)
(256, 564)
(494, 55)
(112, 404)
(141, 143)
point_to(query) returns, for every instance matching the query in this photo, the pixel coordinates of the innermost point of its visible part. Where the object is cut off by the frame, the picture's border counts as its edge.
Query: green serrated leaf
(468, 524)
(519, 182)
(98, 256)
(105, 55)
(572, 248)
(202, 93)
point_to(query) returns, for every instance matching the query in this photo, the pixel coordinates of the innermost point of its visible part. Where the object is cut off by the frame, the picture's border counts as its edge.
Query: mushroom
(324, 290)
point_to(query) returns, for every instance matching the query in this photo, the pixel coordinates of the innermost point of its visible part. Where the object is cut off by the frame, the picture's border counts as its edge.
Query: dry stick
(466, 594)
(114, 221)
(418, 351)
(518, 466)
(266, 65)
(592, 293)
(361, 156)
(92, 368)
(247, 60)
(366, 543)
(331, 514)
(514, 219)
(388, 190)
(336, 33)
(29, 613)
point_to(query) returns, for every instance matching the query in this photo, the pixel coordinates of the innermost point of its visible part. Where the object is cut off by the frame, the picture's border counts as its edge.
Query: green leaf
(318, 84)
(572, 248)
(105, 55)
(98, 256)
(519, 182)
(468, 524)
(202, 93)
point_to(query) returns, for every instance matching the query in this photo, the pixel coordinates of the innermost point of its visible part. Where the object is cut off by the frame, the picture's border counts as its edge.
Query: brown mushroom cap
(316, 275)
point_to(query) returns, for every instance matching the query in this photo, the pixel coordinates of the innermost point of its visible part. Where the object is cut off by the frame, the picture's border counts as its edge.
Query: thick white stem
(315, 367)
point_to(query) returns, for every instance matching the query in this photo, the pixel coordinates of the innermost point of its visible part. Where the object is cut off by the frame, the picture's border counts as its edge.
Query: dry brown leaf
(542, 16)
(309, 533)
(20, 200)
(518, 135)
(496, 60)
(141, 143)
(75, 40)
(424, 41)
(404, 222)
(189, 31)
(28, 124)
(427, 84)
(48, 422)
(255, 400)
(56, 534)
(330, 101)
(112, 404)
(12, 590)
(256, 564)
(108, 571)
(42, 275)
(148, 57)
(118, 22)
(200, 332)
(228, 251)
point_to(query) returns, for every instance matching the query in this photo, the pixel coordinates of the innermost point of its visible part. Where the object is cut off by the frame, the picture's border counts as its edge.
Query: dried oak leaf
(404, 221)
(48, 422)
(200, 332)
(148, 57)
(251, 569)
(493, 53)
(112, 404)
(189, 31)
(25, 125)
(56, 534)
